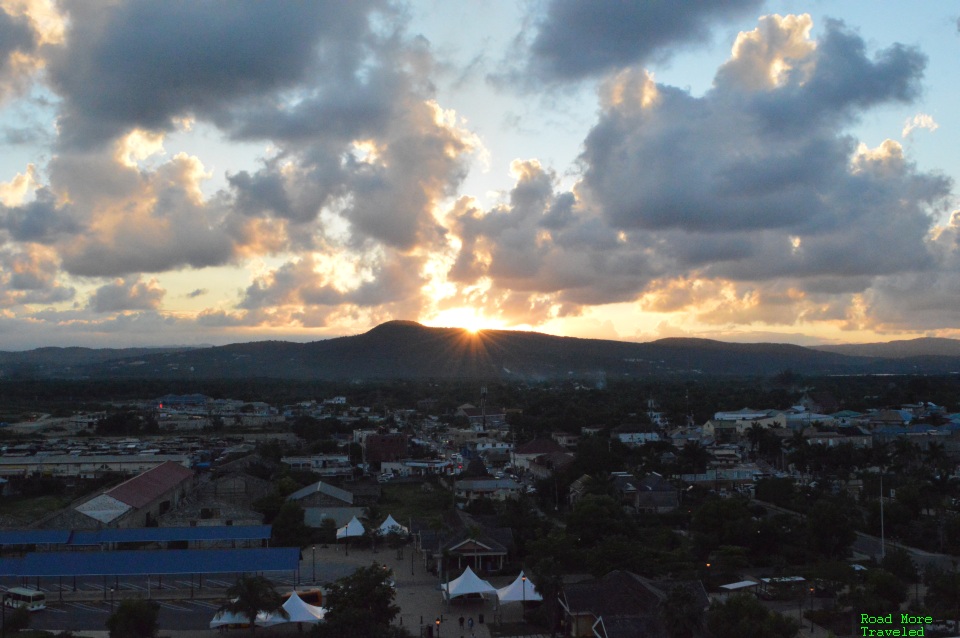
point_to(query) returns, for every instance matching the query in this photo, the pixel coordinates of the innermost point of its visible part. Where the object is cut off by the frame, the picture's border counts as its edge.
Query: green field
(23, 511)
(410, 500)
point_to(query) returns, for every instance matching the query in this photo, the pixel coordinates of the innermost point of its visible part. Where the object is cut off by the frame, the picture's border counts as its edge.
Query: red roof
(150, 485)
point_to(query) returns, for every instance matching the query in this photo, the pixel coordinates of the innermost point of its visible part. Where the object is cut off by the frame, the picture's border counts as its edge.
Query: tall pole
(883, 543)
(314, 564)
(523, 578)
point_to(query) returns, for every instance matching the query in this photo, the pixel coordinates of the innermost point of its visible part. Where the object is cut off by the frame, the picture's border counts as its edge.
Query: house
(522, 455)
(483, 418)
(635, 434)
(470, 490)
(321, 494)
(565, 439)
(322, 500)
(656, 495)
(621, 605)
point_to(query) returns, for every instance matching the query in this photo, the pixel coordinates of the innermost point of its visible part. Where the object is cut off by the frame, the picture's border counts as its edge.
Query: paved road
(418, 595)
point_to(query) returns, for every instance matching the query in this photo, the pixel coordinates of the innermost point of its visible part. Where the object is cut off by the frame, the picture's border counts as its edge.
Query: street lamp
(438, 626)
(314, 564)
(111, 600)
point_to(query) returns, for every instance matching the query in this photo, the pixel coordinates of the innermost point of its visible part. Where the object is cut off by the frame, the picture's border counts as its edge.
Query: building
(635, 434)
(137, 502)
(326, 465)
(86, 467)
(384, 447)
(621, 605)
(469, 490)
(522, 455)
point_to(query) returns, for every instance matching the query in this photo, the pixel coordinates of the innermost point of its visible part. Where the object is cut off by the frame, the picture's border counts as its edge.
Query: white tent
(224, 618)
(297, 611)
(391, 525)
(467, 583)
(519, 590)
(353, 528)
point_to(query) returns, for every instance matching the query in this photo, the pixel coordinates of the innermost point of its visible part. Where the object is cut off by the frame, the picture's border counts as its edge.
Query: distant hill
(923, 347)
(406, 349)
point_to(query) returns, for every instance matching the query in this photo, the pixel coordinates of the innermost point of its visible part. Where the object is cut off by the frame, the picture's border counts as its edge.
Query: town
(630, 513)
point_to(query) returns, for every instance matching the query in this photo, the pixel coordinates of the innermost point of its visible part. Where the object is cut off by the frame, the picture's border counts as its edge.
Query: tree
(681, 613)
(289, 530)
(595, 518)
(360, 605)
(134, 619)
(16, 620)
(746, 617)
(830, 531)
(252, 594)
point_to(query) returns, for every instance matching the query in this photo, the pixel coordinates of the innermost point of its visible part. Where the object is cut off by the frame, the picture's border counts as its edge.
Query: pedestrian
(461, 623)
(470, 624)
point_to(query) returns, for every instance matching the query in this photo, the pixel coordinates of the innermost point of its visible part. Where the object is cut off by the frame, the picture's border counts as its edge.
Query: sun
(469, 319)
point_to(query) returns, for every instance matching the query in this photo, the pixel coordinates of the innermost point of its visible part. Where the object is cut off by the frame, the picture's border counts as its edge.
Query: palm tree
(252, 594)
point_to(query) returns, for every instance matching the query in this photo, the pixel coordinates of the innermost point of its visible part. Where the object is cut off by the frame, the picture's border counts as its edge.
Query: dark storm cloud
(578, 39)
(141, 64)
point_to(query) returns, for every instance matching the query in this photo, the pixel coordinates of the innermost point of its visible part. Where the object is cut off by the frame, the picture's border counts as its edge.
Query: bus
(32, 599)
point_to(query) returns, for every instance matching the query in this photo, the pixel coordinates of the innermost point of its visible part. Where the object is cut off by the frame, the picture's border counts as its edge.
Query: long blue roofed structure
(152, 563)
(34, 537)
(170, 534)
(202, 534)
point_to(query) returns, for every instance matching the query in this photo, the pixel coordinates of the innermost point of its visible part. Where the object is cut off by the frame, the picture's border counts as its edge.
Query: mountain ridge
(407, 349)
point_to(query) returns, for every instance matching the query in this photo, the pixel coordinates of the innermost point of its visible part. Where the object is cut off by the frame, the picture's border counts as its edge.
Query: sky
(207, 173)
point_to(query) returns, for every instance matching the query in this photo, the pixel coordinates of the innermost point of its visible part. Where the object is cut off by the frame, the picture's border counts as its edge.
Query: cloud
(750, 204)
(29, 275)
(311, 288)
(199, 292)
(919, 121)
(138, 220)
(144, 64)
(42, 220)
(127, 294)
(575, 40)
(18, 45)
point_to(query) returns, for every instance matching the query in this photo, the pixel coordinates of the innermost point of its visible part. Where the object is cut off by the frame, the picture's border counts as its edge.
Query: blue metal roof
(34, 536)
(142, 563)
(167, 534)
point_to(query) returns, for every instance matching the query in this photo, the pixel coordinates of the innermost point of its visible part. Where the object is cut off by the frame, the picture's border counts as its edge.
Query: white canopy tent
(391, 525)
(297, 611)
(225, 618)
(519, 590)
(353, 528)
(468, 583)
